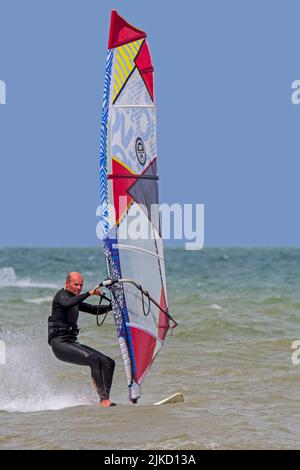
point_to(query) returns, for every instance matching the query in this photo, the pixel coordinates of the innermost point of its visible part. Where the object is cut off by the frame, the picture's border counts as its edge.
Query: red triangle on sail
(145, 67)
(163, 321)
(122, 32)
(121, 183)
(143, 346)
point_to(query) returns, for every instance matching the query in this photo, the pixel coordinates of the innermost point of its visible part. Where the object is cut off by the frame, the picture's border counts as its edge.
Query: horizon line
(165, 246)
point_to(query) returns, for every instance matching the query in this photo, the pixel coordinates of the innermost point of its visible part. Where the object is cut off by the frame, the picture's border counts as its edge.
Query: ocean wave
(34, 404)
(212, 445)
(38, 300)
(8, 278)
(30, 377)
(181, 441)
(215, 307)
(273, 299)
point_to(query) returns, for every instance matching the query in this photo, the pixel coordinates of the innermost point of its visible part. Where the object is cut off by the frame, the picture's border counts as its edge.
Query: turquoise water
(238, 314)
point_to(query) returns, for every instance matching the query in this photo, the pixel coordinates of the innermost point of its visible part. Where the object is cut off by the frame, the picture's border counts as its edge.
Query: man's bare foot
(106, 403)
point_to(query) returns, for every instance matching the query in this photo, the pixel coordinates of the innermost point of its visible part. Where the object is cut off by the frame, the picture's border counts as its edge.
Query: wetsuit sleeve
(94, 309)
(66, 300)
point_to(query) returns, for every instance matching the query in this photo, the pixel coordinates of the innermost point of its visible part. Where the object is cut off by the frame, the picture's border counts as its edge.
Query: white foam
(38, 300)
(46, 403)
(8, 278)
(212, 445)
(215, 307)
(32, 379)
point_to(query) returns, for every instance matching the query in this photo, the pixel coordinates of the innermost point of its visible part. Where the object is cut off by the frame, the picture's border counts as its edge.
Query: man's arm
(94, 309)
(66, 300)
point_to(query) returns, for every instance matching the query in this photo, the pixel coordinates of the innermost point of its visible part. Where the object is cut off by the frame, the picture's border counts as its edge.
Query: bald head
(74, 282)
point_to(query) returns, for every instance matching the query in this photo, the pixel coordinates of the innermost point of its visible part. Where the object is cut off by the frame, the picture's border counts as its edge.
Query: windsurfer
(63, 331)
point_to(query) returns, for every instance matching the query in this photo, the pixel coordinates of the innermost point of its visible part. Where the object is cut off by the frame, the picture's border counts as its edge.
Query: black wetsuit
(62, 337)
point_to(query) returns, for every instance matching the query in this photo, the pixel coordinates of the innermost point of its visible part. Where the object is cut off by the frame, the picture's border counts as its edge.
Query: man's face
(75, 284)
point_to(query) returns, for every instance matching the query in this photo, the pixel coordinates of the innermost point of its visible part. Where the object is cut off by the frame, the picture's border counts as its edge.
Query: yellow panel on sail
(124, 65)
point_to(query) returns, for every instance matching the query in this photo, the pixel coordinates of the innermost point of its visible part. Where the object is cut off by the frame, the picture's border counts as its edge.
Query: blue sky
(228, 133)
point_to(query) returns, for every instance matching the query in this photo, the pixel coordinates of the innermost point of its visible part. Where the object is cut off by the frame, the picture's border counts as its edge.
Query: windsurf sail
(133, 244)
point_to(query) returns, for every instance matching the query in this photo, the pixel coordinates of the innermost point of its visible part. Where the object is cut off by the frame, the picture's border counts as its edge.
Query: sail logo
(2, 92)
(132, 134)
(140, 151)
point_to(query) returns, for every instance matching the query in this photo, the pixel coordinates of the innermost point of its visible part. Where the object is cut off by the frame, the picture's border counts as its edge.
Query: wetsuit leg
(69, 350)
(107, 367)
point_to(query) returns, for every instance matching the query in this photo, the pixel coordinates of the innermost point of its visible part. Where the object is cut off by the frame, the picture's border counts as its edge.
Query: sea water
(238, 313)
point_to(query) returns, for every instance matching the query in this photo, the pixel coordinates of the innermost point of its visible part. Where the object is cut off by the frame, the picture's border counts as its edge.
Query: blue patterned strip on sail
(118, 298)
(103, 145)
